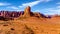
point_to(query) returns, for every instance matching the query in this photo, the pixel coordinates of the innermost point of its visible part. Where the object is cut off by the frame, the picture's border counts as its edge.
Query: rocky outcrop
(36, 14)
(27, 12)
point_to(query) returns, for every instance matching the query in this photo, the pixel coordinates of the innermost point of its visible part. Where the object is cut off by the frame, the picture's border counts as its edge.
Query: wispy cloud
(37, 11)
(13, 7)
(58, 6)
(52, 11)
(4, 4)
(58, 3)
(33, 3)
(30, 4)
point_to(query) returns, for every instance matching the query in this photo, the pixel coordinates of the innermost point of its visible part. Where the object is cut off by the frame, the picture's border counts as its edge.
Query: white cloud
(37, 11)
(58, 3)
(58, 6)
(53, 11)
(56, 11)
(13, 7)
(4, 4)
(33, 3)
(30, 4)
(46, 0)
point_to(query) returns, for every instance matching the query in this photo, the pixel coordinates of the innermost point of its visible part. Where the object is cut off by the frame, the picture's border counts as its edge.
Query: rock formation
(36, 14)
(27, 12)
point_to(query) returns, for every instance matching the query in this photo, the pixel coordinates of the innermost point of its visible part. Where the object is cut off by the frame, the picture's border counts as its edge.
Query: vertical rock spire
(27, 11)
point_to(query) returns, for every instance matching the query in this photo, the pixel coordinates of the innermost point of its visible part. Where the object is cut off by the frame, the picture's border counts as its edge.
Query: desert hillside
(31, 23)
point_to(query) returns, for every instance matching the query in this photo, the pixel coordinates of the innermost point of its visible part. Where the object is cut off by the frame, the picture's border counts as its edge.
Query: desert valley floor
(31, 25)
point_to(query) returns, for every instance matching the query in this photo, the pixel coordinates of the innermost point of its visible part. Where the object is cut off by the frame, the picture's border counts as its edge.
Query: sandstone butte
(31, 23)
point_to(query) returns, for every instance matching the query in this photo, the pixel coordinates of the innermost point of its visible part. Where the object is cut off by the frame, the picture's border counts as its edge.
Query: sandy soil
(31, 25)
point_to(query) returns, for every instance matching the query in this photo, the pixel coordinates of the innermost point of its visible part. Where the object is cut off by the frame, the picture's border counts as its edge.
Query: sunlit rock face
(36, 14)
(27, 11)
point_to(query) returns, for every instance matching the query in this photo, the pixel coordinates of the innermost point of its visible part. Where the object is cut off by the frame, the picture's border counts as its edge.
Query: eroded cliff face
(27, 12)
(31, 25)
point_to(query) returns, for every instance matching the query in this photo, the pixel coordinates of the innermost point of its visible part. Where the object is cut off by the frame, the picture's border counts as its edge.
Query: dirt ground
(31, 25)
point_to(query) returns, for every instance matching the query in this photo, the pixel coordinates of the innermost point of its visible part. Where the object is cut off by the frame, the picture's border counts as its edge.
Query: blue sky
(43, 6)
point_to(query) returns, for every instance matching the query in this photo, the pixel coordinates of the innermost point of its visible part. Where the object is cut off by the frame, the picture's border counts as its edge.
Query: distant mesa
(26, 13)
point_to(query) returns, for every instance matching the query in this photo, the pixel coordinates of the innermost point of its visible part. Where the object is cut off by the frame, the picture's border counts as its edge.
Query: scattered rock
(5, 25)
(12, 29)
(36, 14)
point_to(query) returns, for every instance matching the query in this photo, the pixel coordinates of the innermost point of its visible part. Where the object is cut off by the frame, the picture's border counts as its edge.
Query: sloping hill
(31, 23)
